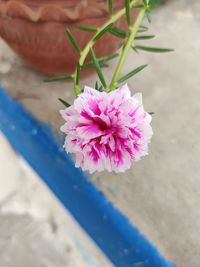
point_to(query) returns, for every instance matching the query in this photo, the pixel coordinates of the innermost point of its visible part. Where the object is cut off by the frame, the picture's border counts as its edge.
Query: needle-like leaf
(118, 32)
(64, 102)
(151, 113)
(97, 87)
(135, 50)
(101, 33)
(73, 41)
(146, 2)
(128, 11)
(86, 28)
(110, 6)
(148, 15)
(143, 29)
(152, 49)
(132, 73)
(59, 78)
(98, 69)
(144, 37)
(101, 60)
(103, 65)
(78, 73)
(108, 57)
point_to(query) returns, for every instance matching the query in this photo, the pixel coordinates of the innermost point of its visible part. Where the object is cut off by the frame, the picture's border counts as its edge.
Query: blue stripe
(119, 240)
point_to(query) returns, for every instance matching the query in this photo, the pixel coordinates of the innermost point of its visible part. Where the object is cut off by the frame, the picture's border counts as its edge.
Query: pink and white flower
(107, 131)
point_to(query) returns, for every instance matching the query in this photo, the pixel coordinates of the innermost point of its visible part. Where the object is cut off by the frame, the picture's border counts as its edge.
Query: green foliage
(153, 3)
(98, 87)
(143, 28)
(118, 32)
(64, 102)
(135, 31)
(144, 37)
(78, 73)
(101, 33)
(152, 49)
(132, 73)
(98, 69)
(110, 7)
(59, 78)
(73, 41)
(150, 3)
(148, 16)
(101, 60)
(128, 11)
(86, 28)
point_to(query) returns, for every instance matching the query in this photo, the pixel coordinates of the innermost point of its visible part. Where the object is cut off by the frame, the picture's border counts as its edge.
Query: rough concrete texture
(159, 194)
(35, 230)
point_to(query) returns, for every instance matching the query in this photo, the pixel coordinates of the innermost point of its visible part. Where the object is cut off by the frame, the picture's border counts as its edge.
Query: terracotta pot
(35, 29)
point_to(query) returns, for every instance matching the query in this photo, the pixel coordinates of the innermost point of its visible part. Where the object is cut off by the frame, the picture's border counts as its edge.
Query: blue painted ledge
(117, 238)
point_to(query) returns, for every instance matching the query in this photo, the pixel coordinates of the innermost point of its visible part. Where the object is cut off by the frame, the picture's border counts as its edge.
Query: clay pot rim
(53, 12)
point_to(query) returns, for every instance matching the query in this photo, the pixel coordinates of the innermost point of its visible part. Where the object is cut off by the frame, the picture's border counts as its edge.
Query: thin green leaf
(153, 3)
(92, 65)
(118, 32)
(138, 6)
(135, 50)
(132, 73)
(73, 41)
(146, 3)
(110, 5)
(98, 69)
(128, 11)
(78, 73)
(64, 102)
(151, 113)
(86, 28)
(143, 29)
(153, 49)
(97, 87)
(100, 88)
(103, 65)
(77, 89)
(59, 78)
(101, 33)
(148, 15)
(144, 37)
(101, 60)
(108, 58)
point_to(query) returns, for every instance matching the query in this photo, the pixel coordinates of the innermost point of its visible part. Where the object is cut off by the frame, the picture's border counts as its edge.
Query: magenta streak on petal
(106, 111)
(134, 111)
(91, 129)
(118, 157)
(85, 115)
(136, 146)
(101, 123)
(93, 105)
(93, 153)
(136, 133)
(112, 101)
(130, 152)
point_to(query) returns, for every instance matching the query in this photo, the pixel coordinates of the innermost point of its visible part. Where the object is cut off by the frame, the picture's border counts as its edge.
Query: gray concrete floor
(161, 193)
(35, 230)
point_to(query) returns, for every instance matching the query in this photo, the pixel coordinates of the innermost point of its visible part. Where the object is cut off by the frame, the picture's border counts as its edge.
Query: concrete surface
(35, 230)
(160, 194)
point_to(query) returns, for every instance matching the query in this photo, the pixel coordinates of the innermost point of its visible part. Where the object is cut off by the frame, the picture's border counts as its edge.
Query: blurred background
(160, 194)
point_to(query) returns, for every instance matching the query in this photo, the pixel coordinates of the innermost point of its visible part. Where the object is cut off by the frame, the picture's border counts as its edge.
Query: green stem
(128, 43)
(91, 43)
